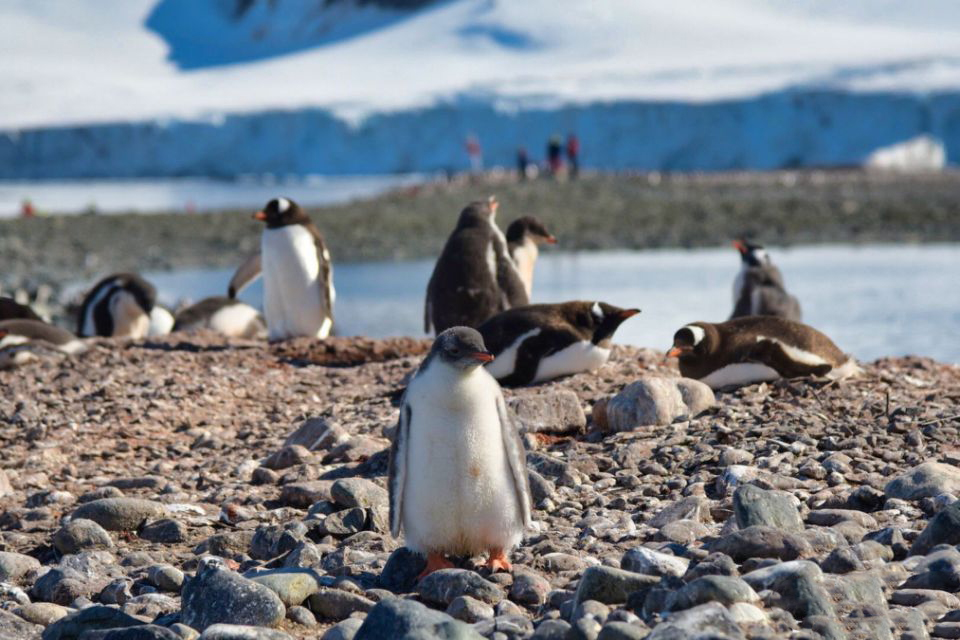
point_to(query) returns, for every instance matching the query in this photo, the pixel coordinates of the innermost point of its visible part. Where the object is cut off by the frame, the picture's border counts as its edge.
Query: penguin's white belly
(129, 318)
(293, 303)
(577, 357)
(739, 374)
(235, 320)
(459, 496)
(506, 361)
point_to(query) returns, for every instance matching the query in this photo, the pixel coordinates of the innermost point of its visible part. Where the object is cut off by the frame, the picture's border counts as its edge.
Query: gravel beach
(192, 483)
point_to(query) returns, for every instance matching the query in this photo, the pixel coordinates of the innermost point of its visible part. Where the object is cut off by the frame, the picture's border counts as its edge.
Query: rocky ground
(180, 485)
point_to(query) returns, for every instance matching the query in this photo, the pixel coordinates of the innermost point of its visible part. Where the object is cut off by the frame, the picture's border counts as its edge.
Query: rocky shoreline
(171, 486)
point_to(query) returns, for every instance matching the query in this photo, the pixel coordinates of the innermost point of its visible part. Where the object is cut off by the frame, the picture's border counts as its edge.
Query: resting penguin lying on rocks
(10, 309)
(119, 305)
(20, 339)
(757, 349)
(458, 476)
(758, 289)
(224, 315)
(544, 341)
(524, 236)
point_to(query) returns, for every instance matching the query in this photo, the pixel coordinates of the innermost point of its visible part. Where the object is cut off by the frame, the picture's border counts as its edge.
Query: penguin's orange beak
(482, 356)
(739, 246)
(3, 333)
(259, 215)
(628, 313)
(551, 240)
(676, 352)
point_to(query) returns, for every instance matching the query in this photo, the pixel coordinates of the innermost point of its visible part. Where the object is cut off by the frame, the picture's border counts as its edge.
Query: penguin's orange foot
(497, 560)
(435, 562)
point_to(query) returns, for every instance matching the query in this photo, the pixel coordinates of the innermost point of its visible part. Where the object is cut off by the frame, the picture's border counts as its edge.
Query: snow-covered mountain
(173, 87)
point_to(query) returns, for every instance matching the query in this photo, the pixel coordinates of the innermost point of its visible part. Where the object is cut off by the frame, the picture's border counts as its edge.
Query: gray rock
(317, 434)
(444, 586)
(140, 482)
(13, 593)
(761, 542)
(305, 555)
(925, 481)
(400, 573)
(293, 586)
(343, 630)
(726, 590)
(552, 412)
(302, 616)
(715, 564)
(304, 494)
(943, 528)
(81, 535)
(653, 563)
(505, 626)
(755, 506)
(540, 487)
(216, 595)
(270, 541)
(585, 628)
(142, 632)
(13, 627)
(655, 400)
(609, 585)
(337, 604)
(286, 457)
(938, 570)
(89, 619)
(551, 630)
(799, 584)
(358, 492)
(6, 488)
(185, 632)
(696, 508)
(165, 577)
(117, 592)
(119, 514)
(529, 588)
(42, 613)
(99, 493)
(223, 631)
(14, 566)
(150, 605)
(346, 523)
(617, 630)
(710, 620)
(470, 610)
(164, 531)
(398, 619)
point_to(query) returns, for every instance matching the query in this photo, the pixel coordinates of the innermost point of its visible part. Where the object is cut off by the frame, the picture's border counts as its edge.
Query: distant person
(573, 154)
(555, 155)
(523, 163)
(27, 210)
(475, 154)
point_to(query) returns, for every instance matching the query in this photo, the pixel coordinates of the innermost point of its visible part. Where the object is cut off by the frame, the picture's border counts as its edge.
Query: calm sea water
(872, 300)
(187, 194)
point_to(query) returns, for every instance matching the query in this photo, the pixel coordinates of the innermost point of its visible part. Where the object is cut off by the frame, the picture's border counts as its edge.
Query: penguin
(161, 322)
(230, 317)
(540, 342)
(758, 289)
(248, 271)
(474, 277)
(524, 235)
(20, 338)
(10, 309)
(457, 472)
(118, 306)
(754, 349)
(298, 291)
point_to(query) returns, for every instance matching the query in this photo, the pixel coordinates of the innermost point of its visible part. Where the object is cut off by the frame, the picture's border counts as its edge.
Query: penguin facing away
(231, 318)
(458, 478)
(754, 349)
(298, 293)
(119, 305)
(758, 289)
(474, 277)
(19, 338)
(524, 236)
(540, 342)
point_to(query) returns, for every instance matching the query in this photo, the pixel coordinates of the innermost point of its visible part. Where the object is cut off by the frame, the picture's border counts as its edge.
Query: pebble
(609, 585)
(552, 412)
(81, 535)
(726, 590)
(14, 566)
(293, 586)
(91, 618)
(924, 480)
(165, 577)
(358, 492)
(761, 542)
(444, 586)
(529, 588)
(943, 528)
(653, 563)
(337, 604)
(119, 514)
(755, 506)
(397, 618)
(711, 620)
(654, 401)
(302, 616)
(222, 631)
(343, 630)
(216, 595)
(164, 531)
(42, 613)
(469, 609)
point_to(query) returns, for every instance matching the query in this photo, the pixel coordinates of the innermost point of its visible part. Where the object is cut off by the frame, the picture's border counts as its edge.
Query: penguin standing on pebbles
(757, 349)
(458, 476)
(226, 316)
(475, 277)
(758, 289)
(524, 237)
(120, 306)
(545, 341)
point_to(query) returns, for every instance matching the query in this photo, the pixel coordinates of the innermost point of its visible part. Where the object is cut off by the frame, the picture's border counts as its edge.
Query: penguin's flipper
(326, 267)
(248, 271)
(398, 467)
(789, 362)
(516, 460)
(508, 278)
(529, 355)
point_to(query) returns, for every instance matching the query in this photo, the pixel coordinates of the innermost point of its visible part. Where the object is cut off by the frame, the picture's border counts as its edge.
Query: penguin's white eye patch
(597, 311)
(698, 333)
(282, 204)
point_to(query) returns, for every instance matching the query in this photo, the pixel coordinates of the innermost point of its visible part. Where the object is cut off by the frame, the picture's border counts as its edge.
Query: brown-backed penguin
(758, 289)
(524, 236)
(10, 309)
(753, 349)
(544, 341)
(19, 338)
(224, 315)
(458, 477)
(298, 293)
(119, 306)
(474, 277)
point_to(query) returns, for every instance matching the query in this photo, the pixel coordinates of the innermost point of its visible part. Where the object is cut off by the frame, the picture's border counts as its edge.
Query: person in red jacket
(573, 154)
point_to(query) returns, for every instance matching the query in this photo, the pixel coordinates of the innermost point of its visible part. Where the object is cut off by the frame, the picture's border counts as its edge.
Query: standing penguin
(524, 235)
(545, 341)
(458, 476)
(753, 349)
(119, 306)
(758, 289)
(298, 291)
(475, 277)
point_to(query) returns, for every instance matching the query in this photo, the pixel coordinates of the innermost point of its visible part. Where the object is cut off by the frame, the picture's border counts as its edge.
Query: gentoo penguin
(544, 341)
(298, 291)
(524, 235)
(753, 349)
(161, 322)
(19, 339)
(458, 476)
(758, 289)
(118, 306)
(229, 317)
(475, 277)
(10, 309)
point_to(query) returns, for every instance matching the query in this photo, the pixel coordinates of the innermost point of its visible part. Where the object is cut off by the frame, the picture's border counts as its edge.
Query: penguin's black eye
(454, 351)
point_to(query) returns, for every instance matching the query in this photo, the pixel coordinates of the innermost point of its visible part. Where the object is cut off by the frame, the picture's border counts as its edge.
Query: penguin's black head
(281, 212)
(602, 319)
(461, 347)
(144, 293)
(752, 255)
(694, 340)
(480, 212)
(528, 226)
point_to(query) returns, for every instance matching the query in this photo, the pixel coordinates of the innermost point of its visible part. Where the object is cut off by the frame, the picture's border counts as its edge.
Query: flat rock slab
(553, 412)
(119, 514)
(652, 401)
